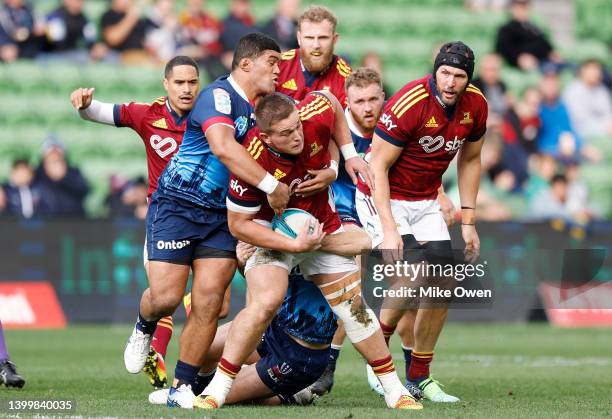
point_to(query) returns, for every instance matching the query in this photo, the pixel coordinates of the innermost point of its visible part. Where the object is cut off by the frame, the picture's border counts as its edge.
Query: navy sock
(334, 353)
(407, 358)
(145, 326)
(185, 373)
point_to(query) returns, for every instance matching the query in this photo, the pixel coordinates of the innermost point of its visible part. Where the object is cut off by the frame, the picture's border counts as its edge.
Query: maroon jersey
(318, 121)
(430, 135)
(159, 127)
(293, 82)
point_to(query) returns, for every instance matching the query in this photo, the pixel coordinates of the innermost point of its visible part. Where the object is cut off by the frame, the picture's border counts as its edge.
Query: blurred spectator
(490, 83)
(283, 25)
(589, 102)
(70, 35)
(557, 136)
(485, 5)
(200, 38)
(22, 198)
(519, 130)
(20, 34)
(62, 188)
(238, 22)
(124, 31)
(521, 43)
(542, 168)
(3, 202)
(557, 202)
(161, 39)
(128, 198)
(374, 61)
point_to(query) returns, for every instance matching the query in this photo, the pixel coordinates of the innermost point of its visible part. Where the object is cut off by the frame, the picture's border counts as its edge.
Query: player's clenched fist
(81, 98)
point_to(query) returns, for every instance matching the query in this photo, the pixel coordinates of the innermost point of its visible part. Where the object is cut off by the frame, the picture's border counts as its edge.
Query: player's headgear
(455, 54)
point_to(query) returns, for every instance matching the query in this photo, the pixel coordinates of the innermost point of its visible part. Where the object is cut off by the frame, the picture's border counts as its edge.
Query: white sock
(392, 387)
(219, 387)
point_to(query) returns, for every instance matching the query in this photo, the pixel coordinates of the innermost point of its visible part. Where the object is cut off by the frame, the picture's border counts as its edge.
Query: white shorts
(310, 263)
(422, 219)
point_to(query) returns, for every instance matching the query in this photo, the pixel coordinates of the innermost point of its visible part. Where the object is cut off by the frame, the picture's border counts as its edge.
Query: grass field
(497, 371)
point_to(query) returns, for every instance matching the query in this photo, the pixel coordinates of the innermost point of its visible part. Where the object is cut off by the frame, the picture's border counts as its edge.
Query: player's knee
(263, 309)
(207, 303)
(165, 303)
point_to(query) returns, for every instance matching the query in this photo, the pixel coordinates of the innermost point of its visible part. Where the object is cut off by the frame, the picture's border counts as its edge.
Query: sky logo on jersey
(223, 103)
(242, 125)
(237, 187)
(387, 122)
(290, 84)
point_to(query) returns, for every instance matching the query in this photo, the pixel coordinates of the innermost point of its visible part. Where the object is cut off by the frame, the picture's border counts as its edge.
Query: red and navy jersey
(430, 135)
(295, 81)
(318, 121)
(160, 128)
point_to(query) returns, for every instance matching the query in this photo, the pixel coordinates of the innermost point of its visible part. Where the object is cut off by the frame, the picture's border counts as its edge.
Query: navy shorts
(287, 367)
(179, 232)
(350, 219)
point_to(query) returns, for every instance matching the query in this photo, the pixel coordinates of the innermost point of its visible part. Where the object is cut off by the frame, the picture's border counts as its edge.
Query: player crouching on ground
(291, 143)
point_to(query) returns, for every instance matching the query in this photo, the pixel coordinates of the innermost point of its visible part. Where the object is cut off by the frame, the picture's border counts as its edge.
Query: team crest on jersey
(314, 149)
(279, 174)
(431, 123)
(466, 119)
(290, 84)
(160, 123)
(242, 125)
(223, 102)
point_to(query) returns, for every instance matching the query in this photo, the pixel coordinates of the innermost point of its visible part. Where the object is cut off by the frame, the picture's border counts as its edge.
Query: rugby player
(314, 66)
(365, 99)
(161, 126)
(422, 128)
(288, 143)
(8, 372)
(187, 220)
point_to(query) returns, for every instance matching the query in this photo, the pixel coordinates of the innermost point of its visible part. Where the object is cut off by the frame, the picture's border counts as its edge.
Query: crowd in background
(536, 146)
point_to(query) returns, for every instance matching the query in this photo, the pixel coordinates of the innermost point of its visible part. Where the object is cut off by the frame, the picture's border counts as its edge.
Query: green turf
(497, 371)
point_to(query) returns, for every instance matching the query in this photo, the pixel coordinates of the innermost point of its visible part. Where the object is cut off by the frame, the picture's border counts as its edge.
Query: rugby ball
(292, 221)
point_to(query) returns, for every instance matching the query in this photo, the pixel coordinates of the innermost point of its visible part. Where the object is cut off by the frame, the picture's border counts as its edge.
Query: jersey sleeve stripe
(408, 93)
(307, 116)
(471, 86)
(473, 138)
(411, 104)
(117, 115)
(217, 120)
(388, 138)
(315, 104)
(241, 206)
(288, 55)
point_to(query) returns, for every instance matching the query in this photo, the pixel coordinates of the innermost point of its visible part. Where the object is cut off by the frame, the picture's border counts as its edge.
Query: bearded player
(422, 128)
(314, 66)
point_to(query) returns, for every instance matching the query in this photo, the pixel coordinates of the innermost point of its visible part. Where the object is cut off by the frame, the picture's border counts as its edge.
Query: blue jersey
(343, 187)
(305, 313)
(195, 174)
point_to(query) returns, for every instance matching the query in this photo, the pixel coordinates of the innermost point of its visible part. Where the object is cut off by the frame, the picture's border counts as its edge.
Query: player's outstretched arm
(347, 243)
(235, 157)
(243, 227)
(89, 109)
(468, 173)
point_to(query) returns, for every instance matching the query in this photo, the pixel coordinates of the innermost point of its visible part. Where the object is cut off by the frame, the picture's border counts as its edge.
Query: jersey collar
(237, 88)
(310, 78)
(178, 120)
(284, 156)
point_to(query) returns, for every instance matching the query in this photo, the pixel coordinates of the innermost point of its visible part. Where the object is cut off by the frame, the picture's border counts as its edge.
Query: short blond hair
(317, 14)
(363, 77)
